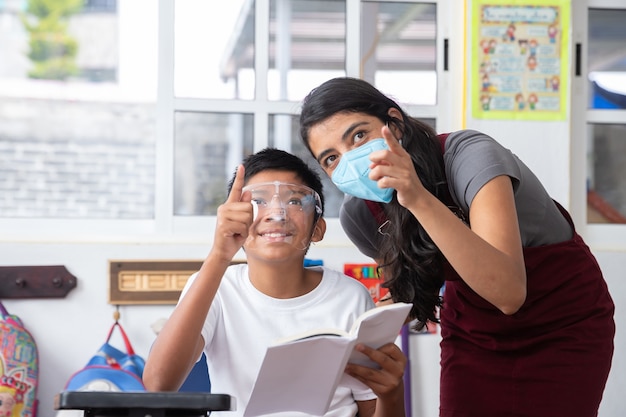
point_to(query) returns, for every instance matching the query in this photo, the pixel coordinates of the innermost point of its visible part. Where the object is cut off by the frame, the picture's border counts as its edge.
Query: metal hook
(116, 313)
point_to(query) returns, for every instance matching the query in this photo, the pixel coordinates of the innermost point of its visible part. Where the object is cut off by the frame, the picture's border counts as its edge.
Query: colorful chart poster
(520, 59)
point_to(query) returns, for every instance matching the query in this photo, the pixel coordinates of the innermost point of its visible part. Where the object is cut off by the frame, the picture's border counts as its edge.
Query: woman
(526, 318)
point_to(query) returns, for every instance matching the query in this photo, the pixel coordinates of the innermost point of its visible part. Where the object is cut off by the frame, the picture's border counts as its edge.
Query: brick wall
(68, 159)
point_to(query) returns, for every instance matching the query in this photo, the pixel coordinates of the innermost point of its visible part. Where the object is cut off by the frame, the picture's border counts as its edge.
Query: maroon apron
(551, 358)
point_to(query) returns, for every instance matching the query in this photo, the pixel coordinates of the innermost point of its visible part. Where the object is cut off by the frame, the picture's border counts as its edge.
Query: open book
(302, 372)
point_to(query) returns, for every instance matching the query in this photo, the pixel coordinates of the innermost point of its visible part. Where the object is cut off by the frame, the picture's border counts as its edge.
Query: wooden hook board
(50, 281)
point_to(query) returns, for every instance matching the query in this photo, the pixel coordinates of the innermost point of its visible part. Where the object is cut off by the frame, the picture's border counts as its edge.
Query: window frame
(598, 236)
(167, 227)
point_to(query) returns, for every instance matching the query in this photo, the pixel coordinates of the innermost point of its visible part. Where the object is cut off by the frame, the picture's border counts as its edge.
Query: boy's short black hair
(278, 160)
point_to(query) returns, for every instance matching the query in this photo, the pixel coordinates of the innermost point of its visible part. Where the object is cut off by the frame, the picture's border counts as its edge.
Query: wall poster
(520, 59)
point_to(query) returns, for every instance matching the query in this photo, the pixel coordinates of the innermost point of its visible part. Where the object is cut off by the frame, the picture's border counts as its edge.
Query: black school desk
(143, 404)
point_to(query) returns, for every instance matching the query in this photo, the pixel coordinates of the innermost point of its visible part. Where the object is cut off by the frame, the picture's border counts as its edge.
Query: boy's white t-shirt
(242, 322)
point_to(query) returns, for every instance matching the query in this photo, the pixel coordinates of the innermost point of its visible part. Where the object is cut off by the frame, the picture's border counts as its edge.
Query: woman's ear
(394, 113)
(319, 230)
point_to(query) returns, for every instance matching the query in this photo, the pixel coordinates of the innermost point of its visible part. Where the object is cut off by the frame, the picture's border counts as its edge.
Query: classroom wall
(68, 331)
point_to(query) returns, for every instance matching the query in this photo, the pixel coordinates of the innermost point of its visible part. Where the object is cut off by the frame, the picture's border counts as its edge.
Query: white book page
(378, 327)
(299, 376)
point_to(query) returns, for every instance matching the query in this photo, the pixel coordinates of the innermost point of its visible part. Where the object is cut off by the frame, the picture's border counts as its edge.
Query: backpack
(110, 369)
(19, 368)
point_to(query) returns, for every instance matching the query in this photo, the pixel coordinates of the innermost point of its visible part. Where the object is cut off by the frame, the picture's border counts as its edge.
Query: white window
(599, 121)
(133, 120)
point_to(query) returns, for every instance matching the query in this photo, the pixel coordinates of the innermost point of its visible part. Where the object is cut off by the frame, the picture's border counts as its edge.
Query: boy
(232, 313)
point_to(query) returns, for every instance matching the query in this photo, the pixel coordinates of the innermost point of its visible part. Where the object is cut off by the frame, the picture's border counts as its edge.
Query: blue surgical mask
(351, 174)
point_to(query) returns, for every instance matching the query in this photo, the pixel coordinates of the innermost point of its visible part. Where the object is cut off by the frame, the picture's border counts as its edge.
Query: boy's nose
(275, 202)
(276, 209)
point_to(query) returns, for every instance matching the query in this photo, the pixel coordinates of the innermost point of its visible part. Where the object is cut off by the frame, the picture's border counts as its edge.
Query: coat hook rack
(49, 281)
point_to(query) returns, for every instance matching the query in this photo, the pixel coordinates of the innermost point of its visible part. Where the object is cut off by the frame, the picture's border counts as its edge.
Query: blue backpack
(110, 369)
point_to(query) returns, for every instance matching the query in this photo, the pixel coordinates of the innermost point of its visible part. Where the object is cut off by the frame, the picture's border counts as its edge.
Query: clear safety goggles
(282, 197)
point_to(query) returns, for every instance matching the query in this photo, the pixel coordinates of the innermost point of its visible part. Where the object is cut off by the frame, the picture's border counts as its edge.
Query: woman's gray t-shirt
(472, 159)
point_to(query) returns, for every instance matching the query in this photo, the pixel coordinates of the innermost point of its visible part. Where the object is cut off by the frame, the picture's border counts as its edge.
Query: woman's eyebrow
(348, 132)
(346, 135)
(322, 155)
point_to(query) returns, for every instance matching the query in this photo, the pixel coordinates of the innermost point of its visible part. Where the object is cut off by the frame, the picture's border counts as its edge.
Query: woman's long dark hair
(412, 264)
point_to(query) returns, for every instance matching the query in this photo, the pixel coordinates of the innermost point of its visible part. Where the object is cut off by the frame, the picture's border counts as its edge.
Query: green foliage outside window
(51, 49)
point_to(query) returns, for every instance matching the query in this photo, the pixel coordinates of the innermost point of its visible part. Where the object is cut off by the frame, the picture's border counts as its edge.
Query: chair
(198, 379)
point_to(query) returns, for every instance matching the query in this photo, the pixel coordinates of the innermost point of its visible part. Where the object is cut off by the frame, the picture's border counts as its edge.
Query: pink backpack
(19, 368)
